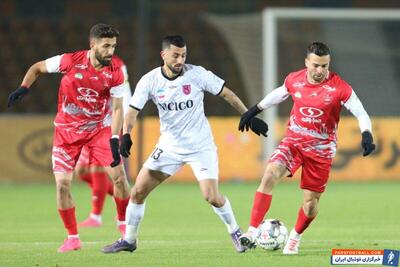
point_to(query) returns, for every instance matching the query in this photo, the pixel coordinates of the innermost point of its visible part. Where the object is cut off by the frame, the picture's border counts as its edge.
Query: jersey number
(157, 153)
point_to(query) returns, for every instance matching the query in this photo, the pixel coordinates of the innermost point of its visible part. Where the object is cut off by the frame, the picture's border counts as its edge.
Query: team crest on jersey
(299, 84)
(107, 74)
(329, 88)
(328, 99)
(160, 93)
(78, 75)
(186, 89)
(81, 66)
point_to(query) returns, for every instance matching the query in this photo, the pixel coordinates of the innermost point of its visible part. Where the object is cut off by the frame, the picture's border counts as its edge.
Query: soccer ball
(272, 234)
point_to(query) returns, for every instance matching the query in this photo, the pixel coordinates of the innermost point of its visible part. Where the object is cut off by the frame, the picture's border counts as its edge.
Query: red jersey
(316, 110)
(85, 93)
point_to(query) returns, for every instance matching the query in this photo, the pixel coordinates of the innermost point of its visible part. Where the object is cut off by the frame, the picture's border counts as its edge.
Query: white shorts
(203, 163)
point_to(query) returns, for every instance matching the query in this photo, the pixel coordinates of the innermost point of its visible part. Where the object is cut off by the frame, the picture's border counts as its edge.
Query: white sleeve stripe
(354, 105)
(275, 97)
(53, 64)
(118, 91)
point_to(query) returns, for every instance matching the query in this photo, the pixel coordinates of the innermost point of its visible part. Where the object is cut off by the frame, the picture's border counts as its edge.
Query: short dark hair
(175, 40)
(318, 48)
(102, 30)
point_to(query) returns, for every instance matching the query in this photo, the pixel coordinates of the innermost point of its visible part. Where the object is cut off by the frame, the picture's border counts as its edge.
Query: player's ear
(306, 62)
(162, 53)
(92, 43)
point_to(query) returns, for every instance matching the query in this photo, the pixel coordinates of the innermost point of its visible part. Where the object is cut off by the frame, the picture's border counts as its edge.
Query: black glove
(258, 126)
(245, 120)
(367, 143)
(114, 144)
(126, 145)
(17, 95)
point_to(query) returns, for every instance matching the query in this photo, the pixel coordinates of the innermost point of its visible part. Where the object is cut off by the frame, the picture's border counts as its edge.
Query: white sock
(225, 213)
(134, 215)
(73, 236)
(95, 217)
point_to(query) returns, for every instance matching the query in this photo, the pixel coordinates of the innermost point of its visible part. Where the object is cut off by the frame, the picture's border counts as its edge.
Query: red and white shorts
(67, 147)
(315, 169)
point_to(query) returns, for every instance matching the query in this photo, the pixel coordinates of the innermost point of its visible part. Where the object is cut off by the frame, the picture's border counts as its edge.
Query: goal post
(270, 49)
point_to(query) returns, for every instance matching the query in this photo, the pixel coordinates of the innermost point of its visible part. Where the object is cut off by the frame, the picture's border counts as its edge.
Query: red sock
(121, 207)
(302, 221)
(99, 191)
(86, 177)
(69, 219)
(260, 208)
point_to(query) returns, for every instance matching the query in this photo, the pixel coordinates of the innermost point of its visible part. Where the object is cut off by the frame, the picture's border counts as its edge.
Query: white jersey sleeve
(122, 90)
(53, 64)
(275, 97)
(141, 94)
(210, 82)
(354, 105)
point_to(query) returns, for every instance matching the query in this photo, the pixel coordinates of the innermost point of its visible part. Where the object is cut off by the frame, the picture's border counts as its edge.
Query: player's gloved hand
(17, 95)
(126, 145)
(258, 126)
(245, 119)
(114, 144)
(367, 143)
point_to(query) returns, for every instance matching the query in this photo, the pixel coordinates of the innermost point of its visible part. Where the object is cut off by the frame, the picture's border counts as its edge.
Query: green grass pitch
(181, 229)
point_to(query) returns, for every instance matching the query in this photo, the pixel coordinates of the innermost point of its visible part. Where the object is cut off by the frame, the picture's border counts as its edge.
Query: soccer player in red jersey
(89, 114)
(310, 140)
(96, 176)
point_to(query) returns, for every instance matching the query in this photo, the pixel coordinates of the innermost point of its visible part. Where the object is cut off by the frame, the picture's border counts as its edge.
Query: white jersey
(183, 125)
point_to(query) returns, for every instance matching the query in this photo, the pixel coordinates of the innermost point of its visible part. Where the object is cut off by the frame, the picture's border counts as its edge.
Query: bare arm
(130, 120)
(117, 115)
(233, 100)
(33, 72)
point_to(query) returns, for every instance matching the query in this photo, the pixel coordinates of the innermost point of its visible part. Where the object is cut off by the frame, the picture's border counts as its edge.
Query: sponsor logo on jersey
(297, 95)
(311, 114)
(81, 66)
(160, 93)
(78, 75)
(175, 106)
(186, 89)
(87, 95)
(299, 84)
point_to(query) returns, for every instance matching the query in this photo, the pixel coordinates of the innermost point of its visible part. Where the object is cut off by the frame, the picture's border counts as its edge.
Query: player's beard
(104, 61)
(318, 78)
(174, 70)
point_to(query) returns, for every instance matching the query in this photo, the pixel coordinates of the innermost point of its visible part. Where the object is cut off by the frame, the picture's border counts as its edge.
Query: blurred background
(225, 37)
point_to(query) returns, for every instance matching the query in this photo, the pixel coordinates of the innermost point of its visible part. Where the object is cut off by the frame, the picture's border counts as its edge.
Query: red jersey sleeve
(66, 62)
(118, 77)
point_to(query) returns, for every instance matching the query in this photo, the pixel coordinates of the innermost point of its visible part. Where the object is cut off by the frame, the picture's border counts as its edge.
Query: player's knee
(213, 199)
(63, 186)
(138, 194)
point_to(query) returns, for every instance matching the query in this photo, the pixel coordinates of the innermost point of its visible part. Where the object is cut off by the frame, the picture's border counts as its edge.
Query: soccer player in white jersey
(178, 89)
(310, 141)
(90, 82)
(96, 176)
